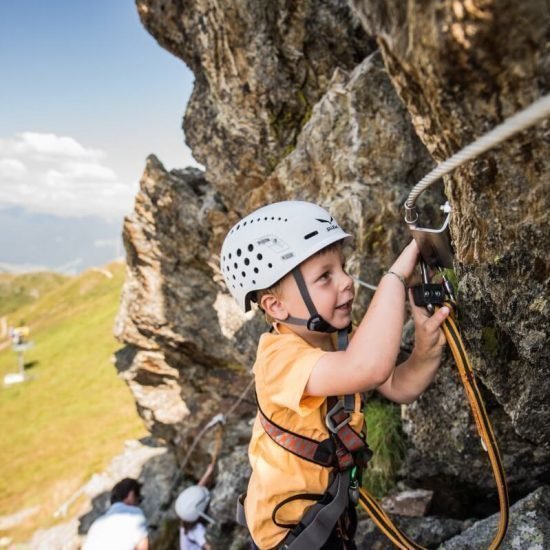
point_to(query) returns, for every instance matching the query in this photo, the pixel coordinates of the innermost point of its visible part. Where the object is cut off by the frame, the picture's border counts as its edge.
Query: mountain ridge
(34, 241)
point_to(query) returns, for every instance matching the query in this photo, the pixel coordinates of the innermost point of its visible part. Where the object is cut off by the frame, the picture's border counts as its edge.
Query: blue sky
(86, 95)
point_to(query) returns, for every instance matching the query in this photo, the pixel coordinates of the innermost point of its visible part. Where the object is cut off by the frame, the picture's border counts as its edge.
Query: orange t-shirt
(283, 365)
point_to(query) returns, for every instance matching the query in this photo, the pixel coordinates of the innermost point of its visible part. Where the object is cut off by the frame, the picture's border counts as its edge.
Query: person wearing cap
(123, 526)
(191, 506)
(288, 258)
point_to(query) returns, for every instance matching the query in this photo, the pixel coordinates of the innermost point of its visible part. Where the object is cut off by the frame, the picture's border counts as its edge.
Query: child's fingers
(436, 320)
(406, 262)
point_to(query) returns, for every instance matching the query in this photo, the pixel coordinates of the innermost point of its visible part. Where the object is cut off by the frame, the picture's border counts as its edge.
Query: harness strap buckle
(331, 421)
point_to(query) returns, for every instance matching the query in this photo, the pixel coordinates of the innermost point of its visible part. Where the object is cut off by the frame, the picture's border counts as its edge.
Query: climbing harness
(345, 451)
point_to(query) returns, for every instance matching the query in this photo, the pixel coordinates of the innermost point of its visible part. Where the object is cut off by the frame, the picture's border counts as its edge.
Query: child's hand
(429, 337)
(407, 260)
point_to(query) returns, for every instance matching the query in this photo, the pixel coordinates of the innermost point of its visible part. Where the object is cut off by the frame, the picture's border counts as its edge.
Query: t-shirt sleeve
(140, 527)
(288, 364)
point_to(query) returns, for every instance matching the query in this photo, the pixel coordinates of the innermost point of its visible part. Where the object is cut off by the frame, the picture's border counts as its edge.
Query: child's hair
(275, 290)
(123, 488)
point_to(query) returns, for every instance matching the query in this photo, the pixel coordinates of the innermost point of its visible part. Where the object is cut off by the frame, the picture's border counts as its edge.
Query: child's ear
(273, 307)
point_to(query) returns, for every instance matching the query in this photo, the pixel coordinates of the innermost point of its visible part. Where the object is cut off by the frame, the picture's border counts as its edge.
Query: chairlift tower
(19, 346)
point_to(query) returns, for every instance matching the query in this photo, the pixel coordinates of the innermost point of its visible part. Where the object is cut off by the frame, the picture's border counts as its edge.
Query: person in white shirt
(123, 526)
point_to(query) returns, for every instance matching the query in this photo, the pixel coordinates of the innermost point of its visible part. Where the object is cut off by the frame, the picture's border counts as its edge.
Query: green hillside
(73, 414)
(19, 290)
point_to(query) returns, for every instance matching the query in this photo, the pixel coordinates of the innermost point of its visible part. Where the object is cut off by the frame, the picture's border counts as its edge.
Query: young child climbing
(306, 444)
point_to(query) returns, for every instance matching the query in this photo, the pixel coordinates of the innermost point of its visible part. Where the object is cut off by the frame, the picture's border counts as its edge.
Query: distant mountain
(30, 241)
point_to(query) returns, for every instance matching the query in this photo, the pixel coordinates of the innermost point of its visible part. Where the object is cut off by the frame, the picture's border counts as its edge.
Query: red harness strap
(341, 450)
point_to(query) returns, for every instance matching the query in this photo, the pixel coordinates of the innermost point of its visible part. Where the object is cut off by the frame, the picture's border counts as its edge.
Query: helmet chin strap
(315, 323)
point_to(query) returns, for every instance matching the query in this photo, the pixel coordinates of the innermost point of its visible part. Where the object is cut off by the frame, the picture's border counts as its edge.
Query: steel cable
(537, 111)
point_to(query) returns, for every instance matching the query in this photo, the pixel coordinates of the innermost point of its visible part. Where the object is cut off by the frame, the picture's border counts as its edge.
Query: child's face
(329, 286)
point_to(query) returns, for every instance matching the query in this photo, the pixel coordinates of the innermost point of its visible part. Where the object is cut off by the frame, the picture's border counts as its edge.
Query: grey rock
(529, 527)
(411, 502)
(429, 531)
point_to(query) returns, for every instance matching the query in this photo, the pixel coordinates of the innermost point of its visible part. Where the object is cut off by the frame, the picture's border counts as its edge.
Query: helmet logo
(331, 224)
(275, 244)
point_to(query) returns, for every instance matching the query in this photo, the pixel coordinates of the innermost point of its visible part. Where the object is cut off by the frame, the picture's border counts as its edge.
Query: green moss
(374, 233)
(450, 275)
(489, 337)
(288, 149)
(386, 441)
(271, 163)
(235, 367)
(289, 123)
(308, 108)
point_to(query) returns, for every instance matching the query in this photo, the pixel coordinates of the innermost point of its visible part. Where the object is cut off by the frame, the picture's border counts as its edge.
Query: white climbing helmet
(192, 502)
(269, 243)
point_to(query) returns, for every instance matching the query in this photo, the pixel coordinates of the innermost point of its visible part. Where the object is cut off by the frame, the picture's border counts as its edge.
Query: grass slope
(73, 415)
(17, 291)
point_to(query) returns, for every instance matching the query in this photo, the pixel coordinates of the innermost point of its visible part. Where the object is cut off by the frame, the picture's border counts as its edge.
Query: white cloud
(44, 146)
(11, 168)
(72, 172)
(58, 175)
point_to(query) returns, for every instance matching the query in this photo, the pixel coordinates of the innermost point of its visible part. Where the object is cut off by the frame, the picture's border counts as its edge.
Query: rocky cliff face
(348, 106)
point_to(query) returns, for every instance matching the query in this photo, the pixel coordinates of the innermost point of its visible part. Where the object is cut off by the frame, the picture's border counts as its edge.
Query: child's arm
(414, 375)
(372, 353)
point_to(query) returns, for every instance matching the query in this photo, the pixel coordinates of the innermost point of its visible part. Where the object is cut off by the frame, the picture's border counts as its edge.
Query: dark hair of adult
(123, 488)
